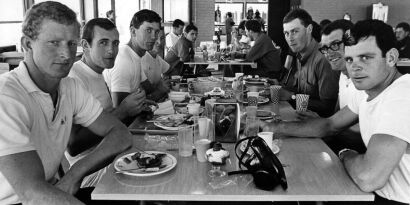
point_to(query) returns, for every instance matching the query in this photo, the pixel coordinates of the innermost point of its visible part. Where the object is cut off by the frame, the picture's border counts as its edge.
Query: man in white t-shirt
(99, 40)
(383, 116)
(172, 37)
(37, 108)
(154, 65)
(127, 75)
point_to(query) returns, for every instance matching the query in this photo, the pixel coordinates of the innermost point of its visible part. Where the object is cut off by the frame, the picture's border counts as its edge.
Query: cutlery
(142, 170)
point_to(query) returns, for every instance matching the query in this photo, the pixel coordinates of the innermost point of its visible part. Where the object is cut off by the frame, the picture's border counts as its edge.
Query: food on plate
(147, 160)
(176, 120)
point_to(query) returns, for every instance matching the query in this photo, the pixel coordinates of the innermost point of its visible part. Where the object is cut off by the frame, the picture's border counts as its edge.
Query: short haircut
(385, 38)
(109, 13)
(242, 25)
(253, 25)
(50, 10)
(300, 14)
(405, 26)
(316, 31)
(324, 22)
(88, 29)
(144, 15)
(190, 27)
(177, 23)
(342, 24)
(229, 14)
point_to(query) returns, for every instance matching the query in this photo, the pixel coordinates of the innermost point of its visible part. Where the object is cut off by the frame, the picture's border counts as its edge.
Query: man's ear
(309, 28)
(132, 31)
(392, 56)
(84, 43)
(26, 43)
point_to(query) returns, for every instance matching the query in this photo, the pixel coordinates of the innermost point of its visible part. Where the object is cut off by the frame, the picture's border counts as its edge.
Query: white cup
(268, 137)
(193, 108)
(203, 123)
(201, 146)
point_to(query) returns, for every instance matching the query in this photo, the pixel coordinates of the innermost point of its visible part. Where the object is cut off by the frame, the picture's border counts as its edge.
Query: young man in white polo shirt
(383, 116)
(127, 75)
(100, 40)
(37, 108)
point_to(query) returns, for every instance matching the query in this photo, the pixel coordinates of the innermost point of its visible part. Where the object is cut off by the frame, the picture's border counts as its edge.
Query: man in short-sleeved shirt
(172, 37)
(313, 74)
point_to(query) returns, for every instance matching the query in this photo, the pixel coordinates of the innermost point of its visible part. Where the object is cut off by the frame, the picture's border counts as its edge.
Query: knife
(142, 170)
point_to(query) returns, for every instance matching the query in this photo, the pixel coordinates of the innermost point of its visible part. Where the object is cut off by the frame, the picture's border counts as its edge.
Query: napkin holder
(226, 120)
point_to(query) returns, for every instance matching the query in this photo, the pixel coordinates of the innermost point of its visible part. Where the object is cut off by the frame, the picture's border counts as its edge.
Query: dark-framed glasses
(334, 46)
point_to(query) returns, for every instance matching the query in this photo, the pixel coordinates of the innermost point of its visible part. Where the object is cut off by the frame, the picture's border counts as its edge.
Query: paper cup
(253, 98)
(302, 101)
(193, 108)
(185, 138)
(201, 146)
(267, 137)
(203, 124)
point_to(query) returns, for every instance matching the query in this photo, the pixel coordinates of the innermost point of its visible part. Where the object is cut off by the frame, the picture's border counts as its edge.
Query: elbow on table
(369, 182)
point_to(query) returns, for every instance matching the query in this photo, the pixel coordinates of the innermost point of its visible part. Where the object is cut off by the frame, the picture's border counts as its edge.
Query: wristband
(341, 152)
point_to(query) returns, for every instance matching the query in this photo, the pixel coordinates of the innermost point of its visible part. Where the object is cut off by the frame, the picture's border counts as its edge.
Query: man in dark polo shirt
(312, 73)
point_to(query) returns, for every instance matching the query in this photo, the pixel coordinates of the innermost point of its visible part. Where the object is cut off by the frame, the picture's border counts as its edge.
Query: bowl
(177, 99)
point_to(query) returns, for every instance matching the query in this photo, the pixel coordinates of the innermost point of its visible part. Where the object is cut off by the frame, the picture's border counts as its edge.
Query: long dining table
(313, 172)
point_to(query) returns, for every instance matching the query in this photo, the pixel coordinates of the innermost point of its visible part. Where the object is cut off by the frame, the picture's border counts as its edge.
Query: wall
(359, 9)
(203, 18)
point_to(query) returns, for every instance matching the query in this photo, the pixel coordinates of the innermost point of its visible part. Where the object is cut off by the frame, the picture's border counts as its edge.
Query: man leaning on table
(383, 116)
(127, 75)
(313, 74)
(38, 106)
(99, 40)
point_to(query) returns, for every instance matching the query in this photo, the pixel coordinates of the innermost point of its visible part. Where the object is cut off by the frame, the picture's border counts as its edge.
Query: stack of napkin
(165, 108)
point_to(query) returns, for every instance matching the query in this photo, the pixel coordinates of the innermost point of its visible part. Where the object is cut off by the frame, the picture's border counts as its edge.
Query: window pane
(261, 7)
(125, 10)
(176, 9)
(11, 10)
(72, 4)
(12, 36)
(103, 7)
(145, 4)
(235, 8)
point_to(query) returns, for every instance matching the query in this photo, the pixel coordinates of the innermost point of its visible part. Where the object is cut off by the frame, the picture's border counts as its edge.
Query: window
(11, 17)
(176, 9)
(103, 7)
(261, 7)
(128, 8)
(235, 8)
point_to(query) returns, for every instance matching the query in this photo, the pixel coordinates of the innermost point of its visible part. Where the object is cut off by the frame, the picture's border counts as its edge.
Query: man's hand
(306, 115)
(133, 104)
(166, 82)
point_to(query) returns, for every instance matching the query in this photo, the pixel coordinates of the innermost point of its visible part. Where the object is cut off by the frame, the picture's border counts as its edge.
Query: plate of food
(184, 110)
(148, 163)
(264, 114)
(255, 81)
(261, 100)
(171, 122)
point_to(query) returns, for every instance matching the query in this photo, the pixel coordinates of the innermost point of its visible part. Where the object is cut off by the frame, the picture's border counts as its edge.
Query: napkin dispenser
(226, 118)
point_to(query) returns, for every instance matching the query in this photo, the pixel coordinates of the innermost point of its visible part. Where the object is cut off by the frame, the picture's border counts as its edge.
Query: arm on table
(318, 127)
(25, 172)
(371, 170)
(116, 140)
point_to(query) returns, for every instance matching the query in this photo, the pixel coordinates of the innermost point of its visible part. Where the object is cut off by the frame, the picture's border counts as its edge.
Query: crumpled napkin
(165, 108)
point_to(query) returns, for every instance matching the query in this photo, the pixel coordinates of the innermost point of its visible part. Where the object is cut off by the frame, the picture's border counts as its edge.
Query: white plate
(168, 162)
(166, 117)
(271, 115)
(275, 148)
(263, 101)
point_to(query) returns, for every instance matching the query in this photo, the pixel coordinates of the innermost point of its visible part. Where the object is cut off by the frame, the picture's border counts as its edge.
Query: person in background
(228, 27)
(263, 52)
(218, 16)
(154, 66)
(110, 16)
(244, 41)
(249, 14)
(38, 106)
(323, 23)
(182, 51)
(260, 20)
(127, 75)
(383, 115)
(313, 74)
(402, 31)
(172, 37)
(99, 40)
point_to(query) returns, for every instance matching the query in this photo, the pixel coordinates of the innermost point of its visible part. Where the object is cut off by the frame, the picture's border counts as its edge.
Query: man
(228, 27)
(383, 115)
(153, 65)
(100, 40)
(110, 16)
(127, 75)
(332, 47)
(182, 51)
(313, 74)
(403, 40)
(38, 106)
(173, 36)
(263, 52)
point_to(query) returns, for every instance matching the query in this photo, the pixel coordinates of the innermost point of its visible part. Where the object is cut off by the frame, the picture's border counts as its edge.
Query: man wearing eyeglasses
(313, 74)
(127, 75)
